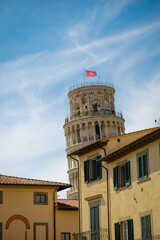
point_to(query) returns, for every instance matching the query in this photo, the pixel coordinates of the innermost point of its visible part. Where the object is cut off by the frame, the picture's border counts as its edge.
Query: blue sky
(44, 47)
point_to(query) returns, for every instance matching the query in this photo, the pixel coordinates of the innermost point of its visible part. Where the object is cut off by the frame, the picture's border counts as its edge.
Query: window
(121, 175)
(124, 230)
(92, 170)
(146, 227)
(96, 107)
(94, 222)
(142, 166)
(65, 236)
(40, 198)
(1, 197)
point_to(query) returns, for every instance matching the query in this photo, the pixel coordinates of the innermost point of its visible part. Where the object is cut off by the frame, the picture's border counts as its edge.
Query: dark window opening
(96, 107)
(97, 132)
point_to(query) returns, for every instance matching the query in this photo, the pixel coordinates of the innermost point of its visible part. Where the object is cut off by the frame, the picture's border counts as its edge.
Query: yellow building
(119, 180)
(66, 219)
(27, 209)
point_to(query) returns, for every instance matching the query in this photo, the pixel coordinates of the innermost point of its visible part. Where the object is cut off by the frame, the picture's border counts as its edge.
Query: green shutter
(127, 174)
(99, 170)
(142, 167)
(130, 229)
(96, 213)
(115, 178)
(86, 171)
(0, 231)
(145, 165)
(140, 174)
(117, 231)
(94, 218)
(146, 227)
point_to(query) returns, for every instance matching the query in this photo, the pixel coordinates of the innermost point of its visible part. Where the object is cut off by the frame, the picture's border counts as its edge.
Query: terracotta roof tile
(10, 180)
(70, 204)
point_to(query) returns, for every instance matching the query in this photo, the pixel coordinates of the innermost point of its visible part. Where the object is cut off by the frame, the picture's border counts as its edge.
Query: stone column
(94, 132)
(72, 136)
(100, 130)
(76, 137)
(106, 129)
(87, 130)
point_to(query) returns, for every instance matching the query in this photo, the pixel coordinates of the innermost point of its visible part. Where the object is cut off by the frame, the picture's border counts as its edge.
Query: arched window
(97, 132)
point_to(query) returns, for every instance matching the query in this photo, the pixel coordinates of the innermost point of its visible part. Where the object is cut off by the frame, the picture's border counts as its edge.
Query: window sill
(143, 180)
(122, 188)
(93, 181)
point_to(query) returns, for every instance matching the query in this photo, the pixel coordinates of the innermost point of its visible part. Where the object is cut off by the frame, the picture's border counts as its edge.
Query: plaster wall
(66, 221)
(141, 197)
(20, 201)
(131, 202)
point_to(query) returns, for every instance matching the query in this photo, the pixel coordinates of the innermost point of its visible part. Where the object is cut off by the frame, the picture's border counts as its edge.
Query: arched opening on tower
(78, 133)
(97, 132)
(103, 129)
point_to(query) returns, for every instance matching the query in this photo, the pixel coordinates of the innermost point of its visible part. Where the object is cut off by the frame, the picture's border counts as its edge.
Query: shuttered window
(124, 229)
(92, 170)
(146, 227)
(94, 222)
(121, 176)
(142, 166)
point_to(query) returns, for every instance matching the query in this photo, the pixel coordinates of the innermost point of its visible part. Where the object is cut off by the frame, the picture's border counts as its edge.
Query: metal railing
(102, 234)
(91, 83)
(156, 237)
(102, 112)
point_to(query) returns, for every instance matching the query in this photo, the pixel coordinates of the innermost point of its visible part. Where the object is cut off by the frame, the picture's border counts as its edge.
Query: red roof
(69, 204)
(10, 180)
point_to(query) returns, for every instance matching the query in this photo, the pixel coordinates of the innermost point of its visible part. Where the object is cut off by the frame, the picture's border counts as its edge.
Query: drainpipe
(107, 194)
(54, 214)
(78, 190)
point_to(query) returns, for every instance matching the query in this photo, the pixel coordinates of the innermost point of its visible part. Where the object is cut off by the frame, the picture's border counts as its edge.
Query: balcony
(102, 112)
(102, 234)
(91, 83)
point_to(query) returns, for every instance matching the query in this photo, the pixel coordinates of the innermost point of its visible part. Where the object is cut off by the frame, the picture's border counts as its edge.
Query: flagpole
(84, 75)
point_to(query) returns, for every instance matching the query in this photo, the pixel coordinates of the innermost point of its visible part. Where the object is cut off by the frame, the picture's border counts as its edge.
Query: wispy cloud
(33, 93)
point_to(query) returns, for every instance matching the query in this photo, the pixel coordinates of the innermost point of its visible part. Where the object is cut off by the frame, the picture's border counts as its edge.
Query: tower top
(91, 83)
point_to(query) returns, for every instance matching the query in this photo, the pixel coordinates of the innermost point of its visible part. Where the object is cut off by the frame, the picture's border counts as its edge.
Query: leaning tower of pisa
(92, 117)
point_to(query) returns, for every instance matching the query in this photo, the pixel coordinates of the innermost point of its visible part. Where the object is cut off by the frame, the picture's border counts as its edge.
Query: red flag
(91, 73)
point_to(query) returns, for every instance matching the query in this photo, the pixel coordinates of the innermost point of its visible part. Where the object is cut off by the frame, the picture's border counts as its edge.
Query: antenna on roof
(157, 122)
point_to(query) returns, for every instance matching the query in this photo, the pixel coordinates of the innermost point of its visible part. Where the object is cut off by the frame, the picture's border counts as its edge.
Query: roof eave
(88, 148)
(141, 142)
